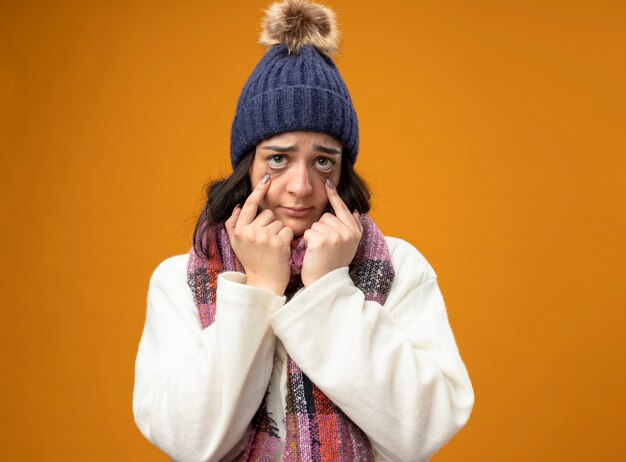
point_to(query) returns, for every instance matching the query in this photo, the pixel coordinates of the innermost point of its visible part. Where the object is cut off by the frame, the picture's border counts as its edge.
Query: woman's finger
(250, 207)
(357, 220)
(338, 205)
(274, 227)
(232, 221)
(333, 234)
(264, 218)
(311, 235)
(324, 228)
(330, 219)
(286, 233)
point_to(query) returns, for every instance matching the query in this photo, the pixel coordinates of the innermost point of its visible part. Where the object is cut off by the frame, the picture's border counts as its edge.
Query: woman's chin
(297, 226)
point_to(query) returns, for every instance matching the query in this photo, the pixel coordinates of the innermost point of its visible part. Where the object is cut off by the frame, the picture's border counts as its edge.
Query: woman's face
(298, 163)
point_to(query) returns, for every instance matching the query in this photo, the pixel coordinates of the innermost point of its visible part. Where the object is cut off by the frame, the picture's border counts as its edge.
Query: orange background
(493, 139)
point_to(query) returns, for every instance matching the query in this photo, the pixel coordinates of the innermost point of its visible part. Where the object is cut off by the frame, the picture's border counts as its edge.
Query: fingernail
(236, 207)
(265, 179)
(330, 183)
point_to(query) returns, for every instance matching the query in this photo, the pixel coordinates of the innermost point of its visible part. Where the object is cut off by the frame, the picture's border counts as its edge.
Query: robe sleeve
(395, 371)
(197, 390)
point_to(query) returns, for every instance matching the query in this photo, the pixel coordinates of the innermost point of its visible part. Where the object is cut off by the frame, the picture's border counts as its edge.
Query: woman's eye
(325, 164)
(276, 161)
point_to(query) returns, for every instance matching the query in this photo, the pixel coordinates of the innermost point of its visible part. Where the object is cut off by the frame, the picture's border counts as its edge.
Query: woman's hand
(332, 241)
(262, 244)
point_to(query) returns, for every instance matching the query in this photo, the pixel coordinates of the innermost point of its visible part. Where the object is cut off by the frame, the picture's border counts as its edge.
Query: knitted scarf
(317, 430)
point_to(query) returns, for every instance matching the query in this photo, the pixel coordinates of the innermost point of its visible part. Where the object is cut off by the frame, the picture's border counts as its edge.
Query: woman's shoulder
(171, 269)
(406, 258)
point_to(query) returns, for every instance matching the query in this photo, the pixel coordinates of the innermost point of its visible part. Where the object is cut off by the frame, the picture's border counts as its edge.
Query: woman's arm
(197, 390)
(395, 371)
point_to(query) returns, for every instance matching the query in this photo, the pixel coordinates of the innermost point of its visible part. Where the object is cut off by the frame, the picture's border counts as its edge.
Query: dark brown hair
(223, 195)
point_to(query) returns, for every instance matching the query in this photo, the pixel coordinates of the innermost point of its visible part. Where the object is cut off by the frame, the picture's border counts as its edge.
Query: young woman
(294, 330)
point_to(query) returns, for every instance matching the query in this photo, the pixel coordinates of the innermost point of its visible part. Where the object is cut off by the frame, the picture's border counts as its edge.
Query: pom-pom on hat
(296, 85)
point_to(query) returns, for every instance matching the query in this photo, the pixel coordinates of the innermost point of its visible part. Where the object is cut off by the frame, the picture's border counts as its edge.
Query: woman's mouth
(297, 212)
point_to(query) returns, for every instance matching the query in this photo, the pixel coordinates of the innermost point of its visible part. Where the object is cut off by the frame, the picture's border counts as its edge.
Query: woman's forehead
(302, 138)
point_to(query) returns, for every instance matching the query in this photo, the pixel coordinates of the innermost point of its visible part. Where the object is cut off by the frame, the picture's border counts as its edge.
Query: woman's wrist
(259, 283)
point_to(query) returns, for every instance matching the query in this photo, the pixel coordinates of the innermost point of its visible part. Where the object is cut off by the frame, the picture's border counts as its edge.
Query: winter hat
(296, 85)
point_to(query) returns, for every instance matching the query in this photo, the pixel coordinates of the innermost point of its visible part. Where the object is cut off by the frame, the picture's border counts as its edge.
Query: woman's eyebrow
(316, 147)
(326, 150)
(280, 149)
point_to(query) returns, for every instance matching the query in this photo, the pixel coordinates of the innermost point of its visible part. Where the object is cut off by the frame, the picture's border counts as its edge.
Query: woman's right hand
(262, 244)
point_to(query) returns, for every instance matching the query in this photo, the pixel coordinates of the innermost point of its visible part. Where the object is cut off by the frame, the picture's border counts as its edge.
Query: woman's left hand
(332, 241)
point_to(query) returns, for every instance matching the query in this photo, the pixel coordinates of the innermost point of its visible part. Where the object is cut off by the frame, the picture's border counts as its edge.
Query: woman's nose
(299, 183)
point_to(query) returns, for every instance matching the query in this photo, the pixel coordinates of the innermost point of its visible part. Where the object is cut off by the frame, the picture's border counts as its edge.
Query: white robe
(395, 371)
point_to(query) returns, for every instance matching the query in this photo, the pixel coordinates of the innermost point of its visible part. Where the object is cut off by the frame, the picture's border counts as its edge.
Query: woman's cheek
(269, 202)
(265, 204)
